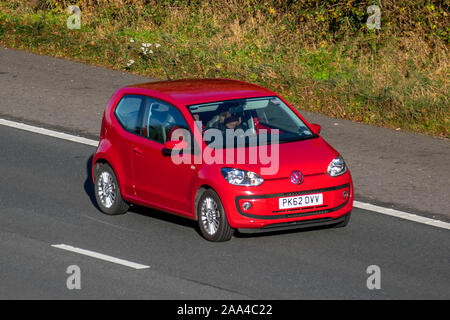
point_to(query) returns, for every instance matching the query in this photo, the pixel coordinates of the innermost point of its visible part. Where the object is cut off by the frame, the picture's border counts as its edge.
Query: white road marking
(100, 256)
(49, 133)
(356, 204)
(402, 215)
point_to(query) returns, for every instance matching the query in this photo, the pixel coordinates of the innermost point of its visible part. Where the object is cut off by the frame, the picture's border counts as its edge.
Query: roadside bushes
(320, 55)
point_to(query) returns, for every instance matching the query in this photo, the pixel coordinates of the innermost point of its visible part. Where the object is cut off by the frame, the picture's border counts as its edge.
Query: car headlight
(337, 167)
(239, 177)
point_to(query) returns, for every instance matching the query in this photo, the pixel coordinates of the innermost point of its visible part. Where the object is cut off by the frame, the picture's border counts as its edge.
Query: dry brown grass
(318, 54)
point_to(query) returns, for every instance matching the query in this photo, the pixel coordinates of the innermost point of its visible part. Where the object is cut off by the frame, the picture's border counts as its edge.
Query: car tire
(107, 192)
(343, 223)
(212, 220)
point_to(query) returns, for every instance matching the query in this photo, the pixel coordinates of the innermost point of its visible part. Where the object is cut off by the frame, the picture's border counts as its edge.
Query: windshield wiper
(300, 138)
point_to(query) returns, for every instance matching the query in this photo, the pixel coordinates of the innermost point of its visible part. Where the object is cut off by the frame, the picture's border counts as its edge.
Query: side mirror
(174, 145)
(316, 128)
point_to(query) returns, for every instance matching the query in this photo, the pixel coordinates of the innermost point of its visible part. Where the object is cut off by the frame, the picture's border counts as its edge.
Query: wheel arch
(102, 161)
(198, 194)
(200, 190)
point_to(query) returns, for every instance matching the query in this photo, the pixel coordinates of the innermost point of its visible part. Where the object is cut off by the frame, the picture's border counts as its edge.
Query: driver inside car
(232, 122)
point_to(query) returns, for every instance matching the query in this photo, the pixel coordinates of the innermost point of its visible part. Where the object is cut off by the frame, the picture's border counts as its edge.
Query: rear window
(128, 113)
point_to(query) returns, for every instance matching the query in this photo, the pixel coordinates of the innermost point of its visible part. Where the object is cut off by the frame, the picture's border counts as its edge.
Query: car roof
(196, 91)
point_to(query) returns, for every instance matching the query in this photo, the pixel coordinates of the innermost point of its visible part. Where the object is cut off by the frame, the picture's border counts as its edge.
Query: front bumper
(265, 214)
(265, 203)
(309, 223)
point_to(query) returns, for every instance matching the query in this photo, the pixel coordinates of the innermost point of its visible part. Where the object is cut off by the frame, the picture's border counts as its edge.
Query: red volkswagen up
(229, 154)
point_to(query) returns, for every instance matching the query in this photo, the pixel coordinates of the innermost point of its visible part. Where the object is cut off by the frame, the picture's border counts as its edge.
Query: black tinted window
(161, 120)
(128, 113)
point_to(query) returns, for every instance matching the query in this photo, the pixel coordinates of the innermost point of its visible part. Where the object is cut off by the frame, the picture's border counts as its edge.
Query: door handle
(138, 151)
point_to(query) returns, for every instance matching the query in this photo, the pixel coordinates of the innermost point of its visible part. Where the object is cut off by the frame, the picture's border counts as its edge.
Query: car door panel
(128, 114)
(157, 179)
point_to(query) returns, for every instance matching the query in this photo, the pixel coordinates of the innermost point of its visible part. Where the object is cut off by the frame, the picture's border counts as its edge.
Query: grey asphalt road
(46, 198)
(395, 169)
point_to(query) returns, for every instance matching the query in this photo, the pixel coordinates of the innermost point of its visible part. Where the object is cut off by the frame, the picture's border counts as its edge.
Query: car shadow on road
(88, 184)
(267, 234)
(164, 216)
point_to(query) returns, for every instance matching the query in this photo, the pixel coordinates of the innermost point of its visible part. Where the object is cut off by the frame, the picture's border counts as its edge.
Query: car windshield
(261, 119)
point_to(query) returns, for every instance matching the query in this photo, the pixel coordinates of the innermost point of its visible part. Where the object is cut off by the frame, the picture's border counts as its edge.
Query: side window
(128, 113)
(161, 120)
(261, 115)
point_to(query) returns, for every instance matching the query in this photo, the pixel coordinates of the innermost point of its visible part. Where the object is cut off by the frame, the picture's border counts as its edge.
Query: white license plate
(300, 201)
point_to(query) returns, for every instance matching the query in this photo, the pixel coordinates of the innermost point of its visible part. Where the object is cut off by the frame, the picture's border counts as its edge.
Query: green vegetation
(319, 55)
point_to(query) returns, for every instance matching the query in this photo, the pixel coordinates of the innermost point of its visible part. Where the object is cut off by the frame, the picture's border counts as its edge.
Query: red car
(229, 154)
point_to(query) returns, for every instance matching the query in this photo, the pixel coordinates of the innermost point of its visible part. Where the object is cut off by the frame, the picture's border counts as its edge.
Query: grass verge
(320, 57)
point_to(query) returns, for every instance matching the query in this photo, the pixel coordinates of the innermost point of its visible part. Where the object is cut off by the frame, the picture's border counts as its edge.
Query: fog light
(345, 194)
(246, 205)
